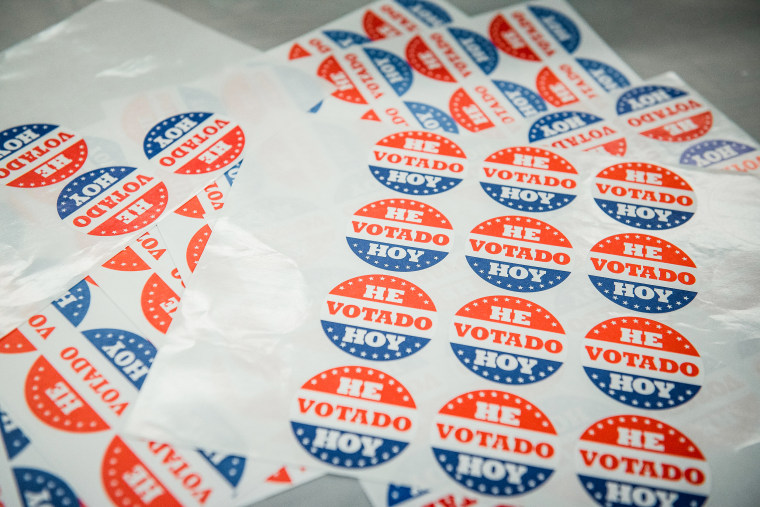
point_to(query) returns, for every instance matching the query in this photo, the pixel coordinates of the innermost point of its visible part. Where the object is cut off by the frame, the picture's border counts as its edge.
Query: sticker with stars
(39, 154)
(642, 273)
(645, 196)
(75, 303)
(195, 143)
(417, 163)
(129, 353)
(399, 235)
(642, 363)
(508, 340)
(629, 460)
(112, 201)
(352, 417)
(378, 317)
(494, 443)
(530, 179)
(519, 254)
(36, 486)
(577, 131)
(664, 113)
(722, 154)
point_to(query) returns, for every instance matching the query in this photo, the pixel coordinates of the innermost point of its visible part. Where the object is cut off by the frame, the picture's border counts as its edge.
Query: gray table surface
(713, 45)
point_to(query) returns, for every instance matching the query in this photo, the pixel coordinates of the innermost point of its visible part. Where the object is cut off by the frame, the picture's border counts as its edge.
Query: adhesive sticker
(524, 100)
(432, 118)
(39, 154)
(478, 48)
(394, 69)
(14, 439)
(419, 236)
(422, 59)
(559, 26)
(723, 154)
(645, 196)
(504, 36)
(642, 273)
(417, 162)
(634, 460)
(158, 302)
(345, 89)
(194, 143)
(55, 402)
(508, 340)
(196, 246)
(429, 13)
(664, 113)
(529, 179)
(399, 494)
(128, 481)
(131, 354)
(111, 201)
(577, 130)
(75, 304)
(378, 317)
(230, 467)
(642, 363)
(606, 76)
(538, 255)
(15, 343)
(495, 443)
(344, 38)
(376, 28)
(553, 89)
(36, 486)
(468, 113)
(353, 417)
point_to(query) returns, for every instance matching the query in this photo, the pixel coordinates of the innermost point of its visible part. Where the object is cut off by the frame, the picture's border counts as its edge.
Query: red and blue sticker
(480, 50)
(577, 130)
(606, 76)
(39, 154)
(519, 254)
(508, 340)
(642, 363)
(562, 28)
(393, 68)
(632, 460)
(645, 196)
(399, 235)
(111, 201)
(36, 486)
(378, 317)
(505, 37)
(664, 113)
(428, 13)
(195, 143)
(642, 273)
(723, 154)
(525, 178)
(353, 417)
(432, 118)
(75, 303)
(130, 354)
(422, 59)
(527, 102)
(495, 443)
(417, 163)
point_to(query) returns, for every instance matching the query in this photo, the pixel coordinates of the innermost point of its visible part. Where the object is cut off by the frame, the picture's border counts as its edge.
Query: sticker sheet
(480, 320)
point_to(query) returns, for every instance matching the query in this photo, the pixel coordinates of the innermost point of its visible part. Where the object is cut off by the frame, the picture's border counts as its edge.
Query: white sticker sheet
(473, 318)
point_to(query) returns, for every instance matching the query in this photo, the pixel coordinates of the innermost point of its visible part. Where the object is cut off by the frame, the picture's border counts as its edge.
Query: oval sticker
(508, 340)
(645, 196)
(194, 143)
(353, 417)
(636, 460)
(494, 443)
(642, 363)
(417, 163)
(39, 154)
(529, 179)
(520, 254)
(378, 317)
(642, 273)
(399, 235)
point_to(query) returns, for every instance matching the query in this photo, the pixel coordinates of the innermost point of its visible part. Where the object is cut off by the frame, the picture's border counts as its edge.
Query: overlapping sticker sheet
(509, 315)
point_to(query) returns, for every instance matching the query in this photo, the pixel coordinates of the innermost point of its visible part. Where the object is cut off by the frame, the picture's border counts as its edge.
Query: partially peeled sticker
(353, 417)
(495, 443)
(418, 163)
(39, 154)
(643, 273)
(195, 143)
(525, 178)
(379, 317)
(627, 460)
(664, 113)
(642, 363)
(645, 196)
(508, 340)
(400, 235)
(519, 254)
(111, 201)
